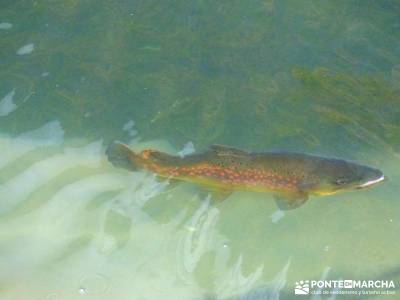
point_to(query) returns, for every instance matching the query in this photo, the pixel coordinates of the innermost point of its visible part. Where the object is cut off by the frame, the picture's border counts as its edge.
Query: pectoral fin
(290, 201)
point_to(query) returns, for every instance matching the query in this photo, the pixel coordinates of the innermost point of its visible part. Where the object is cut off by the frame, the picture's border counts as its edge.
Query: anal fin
(221, 195)
(216, 194)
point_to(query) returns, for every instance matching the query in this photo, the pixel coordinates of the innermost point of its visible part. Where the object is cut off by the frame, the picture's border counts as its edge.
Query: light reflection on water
(310, 76)
(72, 226)
(66, 232)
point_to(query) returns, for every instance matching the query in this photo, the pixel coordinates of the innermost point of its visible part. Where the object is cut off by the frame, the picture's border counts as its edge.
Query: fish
(291, 177)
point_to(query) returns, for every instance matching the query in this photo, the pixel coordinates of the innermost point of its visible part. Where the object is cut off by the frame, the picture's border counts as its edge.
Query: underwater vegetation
(365, 107)
(273, 74)
(312, 76)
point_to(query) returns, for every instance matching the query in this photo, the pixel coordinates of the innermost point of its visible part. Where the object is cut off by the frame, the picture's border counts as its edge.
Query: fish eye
(340, 181)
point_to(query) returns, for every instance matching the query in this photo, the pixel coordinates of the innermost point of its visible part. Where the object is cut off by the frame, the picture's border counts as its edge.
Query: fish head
(338, 175)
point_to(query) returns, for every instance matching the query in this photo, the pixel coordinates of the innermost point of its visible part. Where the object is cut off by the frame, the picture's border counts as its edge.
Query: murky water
(319, 77)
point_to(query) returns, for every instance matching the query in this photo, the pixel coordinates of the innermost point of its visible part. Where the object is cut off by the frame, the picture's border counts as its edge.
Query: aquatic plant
(267, 75)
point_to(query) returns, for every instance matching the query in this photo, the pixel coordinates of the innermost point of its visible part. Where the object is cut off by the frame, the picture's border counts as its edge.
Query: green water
(318, 77)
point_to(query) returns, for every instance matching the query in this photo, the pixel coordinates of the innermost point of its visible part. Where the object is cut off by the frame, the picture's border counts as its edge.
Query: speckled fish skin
(292, 175)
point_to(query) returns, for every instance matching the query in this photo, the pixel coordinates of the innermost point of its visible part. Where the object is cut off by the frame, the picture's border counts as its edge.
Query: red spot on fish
(147, 153)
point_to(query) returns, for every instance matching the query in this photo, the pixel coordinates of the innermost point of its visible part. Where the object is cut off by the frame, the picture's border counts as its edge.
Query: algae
(308, 76)
(270, 75)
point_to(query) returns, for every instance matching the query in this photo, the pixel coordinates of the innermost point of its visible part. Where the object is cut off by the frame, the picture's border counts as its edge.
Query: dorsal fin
(222, 150)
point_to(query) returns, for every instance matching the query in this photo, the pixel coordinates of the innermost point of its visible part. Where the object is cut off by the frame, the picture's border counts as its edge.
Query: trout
(291, 177)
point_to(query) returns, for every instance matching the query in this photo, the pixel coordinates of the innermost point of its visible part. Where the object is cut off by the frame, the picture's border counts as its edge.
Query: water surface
(319, 77)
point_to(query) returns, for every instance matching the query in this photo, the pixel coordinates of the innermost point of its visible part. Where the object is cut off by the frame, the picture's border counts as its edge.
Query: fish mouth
(372, 182)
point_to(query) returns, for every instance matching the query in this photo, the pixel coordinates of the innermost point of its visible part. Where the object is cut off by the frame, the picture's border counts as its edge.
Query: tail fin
(121, 156)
